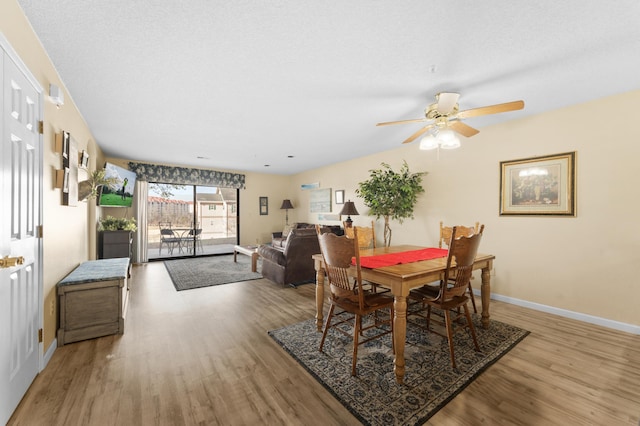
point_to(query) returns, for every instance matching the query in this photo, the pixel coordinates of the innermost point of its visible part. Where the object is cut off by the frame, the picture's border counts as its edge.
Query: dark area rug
(207, 271)
(373, 396)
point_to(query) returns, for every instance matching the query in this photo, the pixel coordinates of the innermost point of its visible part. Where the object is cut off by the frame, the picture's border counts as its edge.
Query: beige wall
(67, 240)
(560, 262)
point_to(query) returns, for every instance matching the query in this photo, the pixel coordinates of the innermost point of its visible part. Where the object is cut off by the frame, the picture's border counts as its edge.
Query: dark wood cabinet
(113, 244)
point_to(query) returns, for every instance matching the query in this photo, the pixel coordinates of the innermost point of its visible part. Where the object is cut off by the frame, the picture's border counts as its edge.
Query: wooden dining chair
(366, 240)
(447, 231)
(366, 235)
(451, 294)
(445, 237)
(353, 301)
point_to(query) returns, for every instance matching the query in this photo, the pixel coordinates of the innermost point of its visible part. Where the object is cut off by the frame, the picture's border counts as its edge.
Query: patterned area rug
(207, 271)
(373, 396)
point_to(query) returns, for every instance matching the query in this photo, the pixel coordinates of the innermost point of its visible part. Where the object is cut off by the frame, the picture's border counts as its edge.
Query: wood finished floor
(203, 357)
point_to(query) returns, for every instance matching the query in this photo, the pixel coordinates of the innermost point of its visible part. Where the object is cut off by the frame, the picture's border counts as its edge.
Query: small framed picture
(65, 181)
(340, 196)
(264, 206)
(84, 159)
(65, 144)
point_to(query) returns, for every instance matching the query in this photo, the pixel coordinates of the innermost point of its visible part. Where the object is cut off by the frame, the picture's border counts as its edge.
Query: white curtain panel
(140, 254)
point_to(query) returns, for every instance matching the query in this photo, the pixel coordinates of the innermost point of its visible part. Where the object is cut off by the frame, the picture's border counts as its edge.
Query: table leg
(319, 297)
(399, 335)
(235, 256)
(254, 262)
(485, 294)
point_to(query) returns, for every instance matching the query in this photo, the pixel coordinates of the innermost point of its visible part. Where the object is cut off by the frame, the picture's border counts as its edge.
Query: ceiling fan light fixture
(448, 140)
(445, 135)
(445, 113)
(428, 142)
(445, 139)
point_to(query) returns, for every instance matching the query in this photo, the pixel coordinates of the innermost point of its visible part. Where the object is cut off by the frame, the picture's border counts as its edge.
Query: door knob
(8, 262)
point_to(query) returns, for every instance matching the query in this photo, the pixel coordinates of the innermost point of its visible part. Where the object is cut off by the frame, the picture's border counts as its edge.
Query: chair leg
(326, 326)
(356, 332)
(473, 298)
(467, 313)
(447, 320)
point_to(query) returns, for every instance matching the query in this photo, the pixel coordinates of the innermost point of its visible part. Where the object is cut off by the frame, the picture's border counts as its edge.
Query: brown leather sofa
(292, 264)
(279, 239)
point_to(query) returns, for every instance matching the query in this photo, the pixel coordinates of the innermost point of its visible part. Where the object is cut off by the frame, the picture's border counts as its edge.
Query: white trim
(591, 319)
(49, 353)
(4, 43)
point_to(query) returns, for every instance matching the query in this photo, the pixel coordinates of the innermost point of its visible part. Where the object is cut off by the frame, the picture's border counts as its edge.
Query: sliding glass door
(189, 220)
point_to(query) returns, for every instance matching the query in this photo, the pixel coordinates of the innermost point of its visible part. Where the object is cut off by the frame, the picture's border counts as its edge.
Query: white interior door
(20, 285)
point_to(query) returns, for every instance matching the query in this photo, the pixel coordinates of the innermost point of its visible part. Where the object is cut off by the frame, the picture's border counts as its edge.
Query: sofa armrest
(272, 254)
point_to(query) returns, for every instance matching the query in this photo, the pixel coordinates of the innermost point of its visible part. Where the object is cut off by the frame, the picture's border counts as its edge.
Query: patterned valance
(186, 176)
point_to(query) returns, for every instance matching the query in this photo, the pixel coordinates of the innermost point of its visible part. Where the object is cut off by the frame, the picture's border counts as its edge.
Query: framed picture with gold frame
(539, 186)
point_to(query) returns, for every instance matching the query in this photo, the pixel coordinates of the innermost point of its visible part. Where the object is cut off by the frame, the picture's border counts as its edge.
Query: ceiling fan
(444, 118)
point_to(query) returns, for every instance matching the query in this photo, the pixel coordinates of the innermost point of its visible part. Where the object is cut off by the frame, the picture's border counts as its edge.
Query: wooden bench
(93, 300)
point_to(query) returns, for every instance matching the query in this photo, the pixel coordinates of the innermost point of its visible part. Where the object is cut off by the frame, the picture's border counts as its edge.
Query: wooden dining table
(400, 279)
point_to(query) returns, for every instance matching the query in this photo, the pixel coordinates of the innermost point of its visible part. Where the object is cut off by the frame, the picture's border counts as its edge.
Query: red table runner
(380, 260)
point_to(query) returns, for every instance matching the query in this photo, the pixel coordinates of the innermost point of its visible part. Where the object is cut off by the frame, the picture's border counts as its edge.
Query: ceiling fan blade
(463, 129)
(418, 133)
(446, 102)
(492, 109)
(415, 120)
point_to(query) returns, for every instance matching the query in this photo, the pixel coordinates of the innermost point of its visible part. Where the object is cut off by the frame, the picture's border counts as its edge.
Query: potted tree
(391, 194)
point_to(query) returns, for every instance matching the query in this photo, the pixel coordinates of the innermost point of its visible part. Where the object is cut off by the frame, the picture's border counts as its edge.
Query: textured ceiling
(249, 83)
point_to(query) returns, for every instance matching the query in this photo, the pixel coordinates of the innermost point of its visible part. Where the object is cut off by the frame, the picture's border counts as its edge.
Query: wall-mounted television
(119, 194)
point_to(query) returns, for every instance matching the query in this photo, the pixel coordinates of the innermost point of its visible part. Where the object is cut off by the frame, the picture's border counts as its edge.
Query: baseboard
(49, 354)
(616, 325)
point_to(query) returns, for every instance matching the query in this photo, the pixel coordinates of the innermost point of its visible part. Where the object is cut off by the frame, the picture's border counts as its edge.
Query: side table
(248, 251)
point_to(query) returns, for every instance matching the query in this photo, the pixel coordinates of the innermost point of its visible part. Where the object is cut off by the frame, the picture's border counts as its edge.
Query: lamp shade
(349, 209)
(286, 204)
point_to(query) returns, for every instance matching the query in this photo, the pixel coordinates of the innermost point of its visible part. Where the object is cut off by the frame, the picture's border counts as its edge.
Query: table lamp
(349, 209)
(286, 205)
